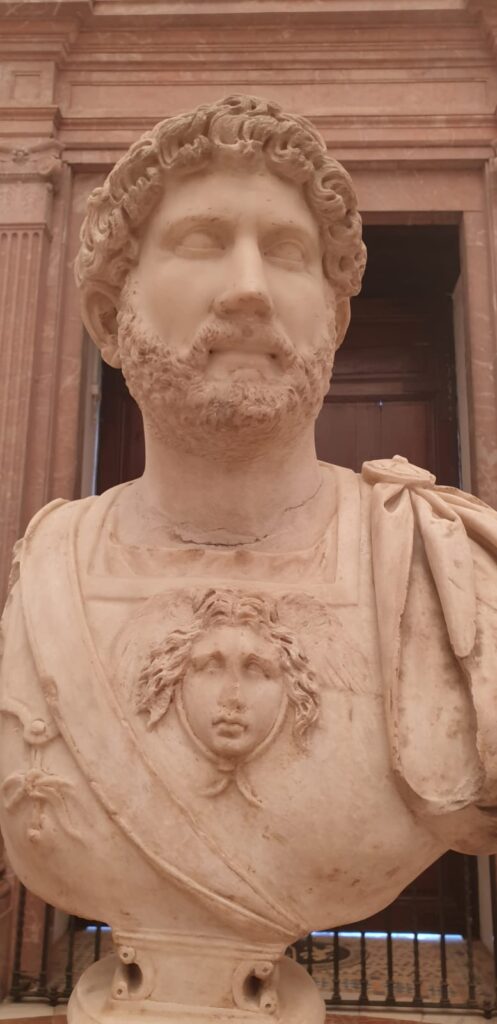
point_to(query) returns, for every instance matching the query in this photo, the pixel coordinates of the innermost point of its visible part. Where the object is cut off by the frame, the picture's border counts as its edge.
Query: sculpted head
(232, 673)
(216, 266)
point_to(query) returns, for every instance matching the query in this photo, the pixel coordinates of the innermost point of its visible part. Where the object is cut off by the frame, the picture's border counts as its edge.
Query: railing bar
(468, 917)
(42, 976)
(70, 957)
(492, 866)
(390, 997)
(444, 982)
(16, 991)
(336, 997)
(417, 997)
(363, 994)
(97, 943)
(310, 958)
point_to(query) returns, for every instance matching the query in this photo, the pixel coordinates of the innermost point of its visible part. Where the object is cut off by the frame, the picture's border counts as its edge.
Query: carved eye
(199, 242)
(212, 666)
(254, 669)
(288, 251)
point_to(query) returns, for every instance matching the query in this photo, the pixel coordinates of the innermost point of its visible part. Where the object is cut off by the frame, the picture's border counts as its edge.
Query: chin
(242, 403)
(234, 748)
(220, 416)
(181, 406)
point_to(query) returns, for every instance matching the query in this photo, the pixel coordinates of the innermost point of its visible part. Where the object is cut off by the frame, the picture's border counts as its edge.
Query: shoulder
(54, 543)
(431, 504)
(401, 473)
(453, 532)
(60, 516)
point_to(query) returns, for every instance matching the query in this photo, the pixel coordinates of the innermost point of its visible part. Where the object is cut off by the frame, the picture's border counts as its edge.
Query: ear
(98, 310)
(342, 315)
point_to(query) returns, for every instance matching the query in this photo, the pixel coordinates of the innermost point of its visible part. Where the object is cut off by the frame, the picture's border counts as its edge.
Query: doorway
(394, 388)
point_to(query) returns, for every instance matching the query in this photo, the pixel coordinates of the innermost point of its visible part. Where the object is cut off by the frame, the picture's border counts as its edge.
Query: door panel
(393, 388)
(353, 432)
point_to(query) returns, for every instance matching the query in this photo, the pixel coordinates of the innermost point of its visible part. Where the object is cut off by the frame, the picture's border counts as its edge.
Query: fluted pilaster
(27, 179)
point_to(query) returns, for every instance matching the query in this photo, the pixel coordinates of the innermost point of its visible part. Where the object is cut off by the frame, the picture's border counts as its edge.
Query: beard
(182, 407)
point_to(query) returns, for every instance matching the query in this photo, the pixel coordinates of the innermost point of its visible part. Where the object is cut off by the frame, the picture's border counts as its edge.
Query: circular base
(91, 1002)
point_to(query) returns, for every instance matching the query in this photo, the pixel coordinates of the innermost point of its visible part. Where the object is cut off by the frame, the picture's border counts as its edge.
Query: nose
(246, 293)
(231, 696)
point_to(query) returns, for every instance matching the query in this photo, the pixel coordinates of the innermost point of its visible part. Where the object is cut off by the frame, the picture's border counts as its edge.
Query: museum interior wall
(405, 95)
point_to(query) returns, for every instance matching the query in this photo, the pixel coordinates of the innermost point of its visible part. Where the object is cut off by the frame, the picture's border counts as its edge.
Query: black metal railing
(352, 966)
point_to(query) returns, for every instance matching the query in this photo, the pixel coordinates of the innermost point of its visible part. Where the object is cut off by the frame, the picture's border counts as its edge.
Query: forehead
(234, 640)
(235, 195)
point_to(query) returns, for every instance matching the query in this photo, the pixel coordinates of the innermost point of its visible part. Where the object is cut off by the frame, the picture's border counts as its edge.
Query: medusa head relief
(233, 672)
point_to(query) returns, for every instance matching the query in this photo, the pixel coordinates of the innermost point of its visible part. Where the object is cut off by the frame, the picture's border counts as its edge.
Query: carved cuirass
(123, 748)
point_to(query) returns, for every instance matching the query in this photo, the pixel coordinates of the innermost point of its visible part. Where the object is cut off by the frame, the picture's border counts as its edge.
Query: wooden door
(393, 389)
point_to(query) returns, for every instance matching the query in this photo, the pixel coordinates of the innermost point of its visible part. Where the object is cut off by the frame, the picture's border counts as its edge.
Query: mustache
(247, 334)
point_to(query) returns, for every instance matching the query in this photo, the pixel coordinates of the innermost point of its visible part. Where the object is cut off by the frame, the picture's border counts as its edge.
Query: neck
(191, 499)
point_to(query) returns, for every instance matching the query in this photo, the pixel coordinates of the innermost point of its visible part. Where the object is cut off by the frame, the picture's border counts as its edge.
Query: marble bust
(249, 694)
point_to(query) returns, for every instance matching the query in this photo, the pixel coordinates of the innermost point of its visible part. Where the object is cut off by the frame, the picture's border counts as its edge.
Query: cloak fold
(455, 535)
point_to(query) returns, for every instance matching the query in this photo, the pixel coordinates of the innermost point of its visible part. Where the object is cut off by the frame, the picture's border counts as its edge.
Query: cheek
(199, 697)
(301, 308)
(266, 702)
(177, 294)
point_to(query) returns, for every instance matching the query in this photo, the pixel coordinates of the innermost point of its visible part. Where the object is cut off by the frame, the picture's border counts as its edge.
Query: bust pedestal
(180, 980)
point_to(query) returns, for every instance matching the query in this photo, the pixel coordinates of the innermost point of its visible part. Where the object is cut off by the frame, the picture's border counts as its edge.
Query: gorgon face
(233, 690)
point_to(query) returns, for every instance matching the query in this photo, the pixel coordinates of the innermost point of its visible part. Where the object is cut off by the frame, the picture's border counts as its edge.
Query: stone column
(27, 180)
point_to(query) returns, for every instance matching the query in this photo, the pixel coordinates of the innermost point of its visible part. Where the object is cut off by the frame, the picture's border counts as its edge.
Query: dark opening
(393, 389)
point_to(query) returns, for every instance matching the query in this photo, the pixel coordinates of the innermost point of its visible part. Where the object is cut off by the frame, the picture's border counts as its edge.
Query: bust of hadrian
(251, 693)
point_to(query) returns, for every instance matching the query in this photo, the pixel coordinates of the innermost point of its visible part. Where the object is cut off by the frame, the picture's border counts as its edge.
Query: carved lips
(247, 351)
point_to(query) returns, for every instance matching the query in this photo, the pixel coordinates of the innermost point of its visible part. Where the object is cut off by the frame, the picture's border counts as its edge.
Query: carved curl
(246, 129)
(168, 662)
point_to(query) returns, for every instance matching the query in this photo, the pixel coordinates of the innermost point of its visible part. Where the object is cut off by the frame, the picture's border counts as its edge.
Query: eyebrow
(192, 220)
(199, 660)
(265, 663)
(171, 227)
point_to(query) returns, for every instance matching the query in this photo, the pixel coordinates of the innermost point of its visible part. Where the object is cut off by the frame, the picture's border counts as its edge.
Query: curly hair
(247, 129)
(168, 662)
